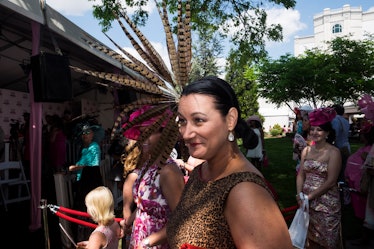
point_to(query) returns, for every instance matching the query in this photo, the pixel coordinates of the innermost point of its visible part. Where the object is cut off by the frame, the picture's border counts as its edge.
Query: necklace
(320, 149)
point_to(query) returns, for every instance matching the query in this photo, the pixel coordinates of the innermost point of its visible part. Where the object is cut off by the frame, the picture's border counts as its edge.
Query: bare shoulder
(333, 149)
(248, 192)
(170, 169)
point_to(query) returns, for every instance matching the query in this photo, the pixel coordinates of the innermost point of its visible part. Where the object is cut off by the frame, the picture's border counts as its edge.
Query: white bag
(299, 227)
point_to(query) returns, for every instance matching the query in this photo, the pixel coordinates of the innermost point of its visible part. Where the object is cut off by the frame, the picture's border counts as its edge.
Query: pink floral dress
(152, 209)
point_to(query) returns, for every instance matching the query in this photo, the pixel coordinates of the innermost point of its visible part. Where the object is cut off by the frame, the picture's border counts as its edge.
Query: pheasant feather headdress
(155, 84)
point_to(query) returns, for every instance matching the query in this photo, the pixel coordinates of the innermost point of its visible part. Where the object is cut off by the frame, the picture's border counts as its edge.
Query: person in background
(87, 169)
(317, 179)
(189, 165)
(2, 145)
(257, 154)
(116, 150)
(25, 130)
(131, 166)
(57, 145)
(341, 127)
(226, 202)
(366, 105)
(156, 191)
(354, 170)
(100, 206)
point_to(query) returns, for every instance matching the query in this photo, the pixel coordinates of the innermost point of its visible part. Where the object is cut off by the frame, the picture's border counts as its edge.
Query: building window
(337, 28)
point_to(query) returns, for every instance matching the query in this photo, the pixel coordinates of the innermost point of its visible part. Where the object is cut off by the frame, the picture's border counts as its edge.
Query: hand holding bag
(299, 227)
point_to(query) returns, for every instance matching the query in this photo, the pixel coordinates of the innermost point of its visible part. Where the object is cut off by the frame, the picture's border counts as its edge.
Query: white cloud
(82, 7)
(289, 19)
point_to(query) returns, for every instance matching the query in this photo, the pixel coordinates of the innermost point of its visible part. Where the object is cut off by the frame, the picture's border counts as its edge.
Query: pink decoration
(321, 116)
(366, 105)
(134, 132)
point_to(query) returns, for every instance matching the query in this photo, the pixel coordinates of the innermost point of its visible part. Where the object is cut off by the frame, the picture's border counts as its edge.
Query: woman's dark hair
(225, 98)
(328, 127)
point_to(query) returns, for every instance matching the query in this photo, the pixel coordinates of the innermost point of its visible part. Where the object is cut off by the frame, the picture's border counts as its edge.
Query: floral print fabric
(324, 211)
(152, 209)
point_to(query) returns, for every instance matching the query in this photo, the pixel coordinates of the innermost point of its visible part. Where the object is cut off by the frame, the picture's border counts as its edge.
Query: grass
(282, 175)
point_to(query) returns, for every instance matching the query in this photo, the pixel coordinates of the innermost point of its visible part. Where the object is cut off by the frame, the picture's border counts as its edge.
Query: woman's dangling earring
(231, 136)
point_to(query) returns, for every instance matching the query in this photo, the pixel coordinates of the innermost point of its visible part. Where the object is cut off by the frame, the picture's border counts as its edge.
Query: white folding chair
(14, 186)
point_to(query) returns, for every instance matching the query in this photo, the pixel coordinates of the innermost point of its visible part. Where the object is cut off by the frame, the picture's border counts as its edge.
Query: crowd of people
(221, 201)
(217, 193)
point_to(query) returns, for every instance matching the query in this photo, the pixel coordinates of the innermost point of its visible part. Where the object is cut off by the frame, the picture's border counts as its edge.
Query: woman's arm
(255, 219)
(172, 184)
(128, 198)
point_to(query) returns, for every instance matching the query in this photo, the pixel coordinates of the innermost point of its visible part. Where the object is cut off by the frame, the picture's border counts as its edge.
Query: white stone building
(336, 23)
(329, 24)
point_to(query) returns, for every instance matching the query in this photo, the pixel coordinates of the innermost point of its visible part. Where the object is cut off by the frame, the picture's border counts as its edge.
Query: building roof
(17, 17)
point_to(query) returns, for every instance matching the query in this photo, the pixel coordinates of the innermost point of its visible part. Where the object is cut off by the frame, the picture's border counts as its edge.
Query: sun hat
(254, 118)
(85, 127)
(321, 116)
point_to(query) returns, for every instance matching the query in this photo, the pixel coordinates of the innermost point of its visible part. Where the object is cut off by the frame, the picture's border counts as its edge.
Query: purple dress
(152, 209)
(353, 173)
(324, 211)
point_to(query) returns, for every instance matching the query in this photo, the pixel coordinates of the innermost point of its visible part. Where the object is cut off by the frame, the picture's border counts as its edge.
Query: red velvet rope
(288, 210)
(75, 220)
(75, 212)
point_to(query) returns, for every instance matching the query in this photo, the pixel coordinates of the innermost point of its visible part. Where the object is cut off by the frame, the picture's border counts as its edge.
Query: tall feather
(154, 83)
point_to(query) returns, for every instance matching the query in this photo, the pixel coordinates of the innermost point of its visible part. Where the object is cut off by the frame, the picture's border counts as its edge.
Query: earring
(231, 136)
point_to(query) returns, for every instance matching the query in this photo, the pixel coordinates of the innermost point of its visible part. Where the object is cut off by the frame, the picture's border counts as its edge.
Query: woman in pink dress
(317, 178)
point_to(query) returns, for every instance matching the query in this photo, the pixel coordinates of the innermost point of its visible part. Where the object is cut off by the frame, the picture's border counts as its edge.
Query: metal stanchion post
(43, 205)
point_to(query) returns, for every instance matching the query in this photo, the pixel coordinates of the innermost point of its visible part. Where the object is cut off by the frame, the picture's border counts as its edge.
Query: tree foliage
(342, 73)
(243, 81)
(206, 51)
(243, 20)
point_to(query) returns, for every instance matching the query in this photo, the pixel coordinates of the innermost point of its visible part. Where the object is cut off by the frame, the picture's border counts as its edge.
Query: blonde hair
(132, 160)
(100, 205)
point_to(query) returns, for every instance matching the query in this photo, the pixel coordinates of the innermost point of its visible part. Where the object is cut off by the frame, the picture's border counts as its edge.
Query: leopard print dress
(199, 219)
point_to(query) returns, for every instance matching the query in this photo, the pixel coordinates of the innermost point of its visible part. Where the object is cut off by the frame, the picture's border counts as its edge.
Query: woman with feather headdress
(248, 217)
(226, 202)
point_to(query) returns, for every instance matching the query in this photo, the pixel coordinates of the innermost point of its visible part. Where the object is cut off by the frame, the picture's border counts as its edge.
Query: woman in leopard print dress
(225, 203)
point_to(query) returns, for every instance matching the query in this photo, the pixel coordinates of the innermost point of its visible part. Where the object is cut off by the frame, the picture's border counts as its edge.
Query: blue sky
(295, 22)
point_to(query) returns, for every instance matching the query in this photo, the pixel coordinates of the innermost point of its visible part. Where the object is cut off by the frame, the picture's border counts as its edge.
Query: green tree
(247, 19)
(243, 80)
(206, 51)
(340, 74)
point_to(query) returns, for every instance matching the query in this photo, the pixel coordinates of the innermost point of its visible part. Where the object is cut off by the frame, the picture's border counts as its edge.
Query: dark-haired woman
(317, 179)
(226, 202)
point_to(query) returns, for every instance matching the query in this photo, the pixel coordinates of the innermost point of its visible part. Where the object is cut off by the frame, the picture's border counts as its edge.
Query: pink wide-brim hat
(321, 116)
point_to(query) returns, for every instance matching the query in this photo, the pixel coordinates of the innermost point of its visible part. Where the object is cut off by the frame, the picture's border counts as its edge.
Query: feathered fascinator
(156, 85)
(366, 105)
(134, 132)
(321, 116)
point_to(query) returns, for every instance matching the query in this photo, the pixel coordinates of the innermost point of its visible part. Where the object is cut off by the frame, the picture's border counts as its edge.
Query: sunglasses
(86, 132)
